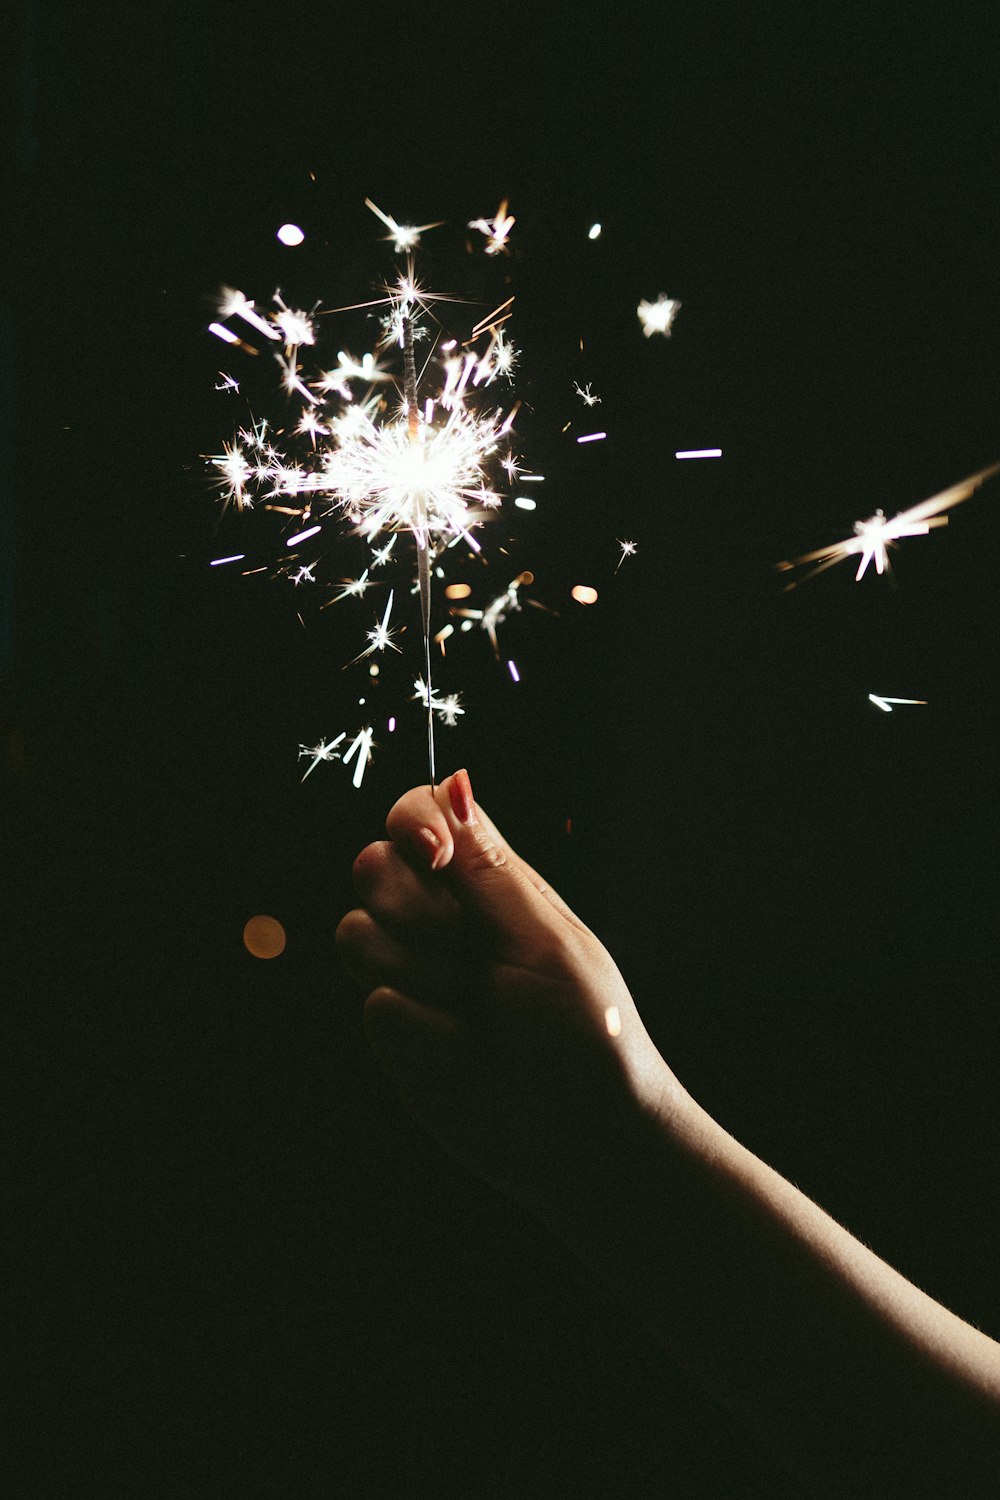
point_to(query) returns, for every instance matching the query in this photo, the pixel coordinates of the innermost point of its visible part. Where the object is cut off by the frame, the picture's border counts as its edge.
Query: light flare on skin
(873, 538)
(658, 316)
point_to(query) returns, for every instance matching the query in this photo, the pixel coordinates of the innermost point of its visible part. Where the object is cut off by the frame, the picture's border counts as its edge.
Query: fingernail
(428, 846)
(460, 792)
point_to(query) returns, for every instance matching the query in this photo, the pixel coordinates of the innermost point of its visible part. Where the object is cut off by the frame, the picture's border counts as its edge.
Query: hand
(502, 1020)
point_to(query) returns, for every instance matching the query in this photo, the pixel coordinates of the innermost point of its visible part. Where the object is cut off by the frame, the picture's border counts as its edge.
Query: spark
(594, 232)
(496, 612)
(325, 750)
(513, 671)
(303, 574)
(629, 549)
(699, 453)
(592, 437)
(586, 395)
(226, 334)
(296, 327)
(290, 234)
(361, 746)
(228, 383)
(236, 473)
(496, 229)
(218, 561)
(447, 709)
(233, 304)
(658, 316)
(379, 639)
(367, 369)
(884, 703)
(404, 237)
(354, 588)
(873, 538)
(523, 503)
(300, 536)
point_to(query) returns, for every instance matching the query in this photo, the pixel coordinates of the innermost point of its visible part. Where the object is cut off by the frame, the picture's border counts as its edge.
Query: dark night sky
(236, 1264)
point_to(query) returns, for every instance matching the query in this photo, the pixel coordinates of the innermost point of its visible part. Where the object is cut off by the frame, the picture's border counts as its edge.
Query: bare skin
(511, 1036)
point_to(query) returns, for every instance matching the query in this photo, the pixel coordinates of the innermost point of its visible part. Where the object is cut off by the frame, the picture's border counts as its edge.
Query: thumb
(486, 881)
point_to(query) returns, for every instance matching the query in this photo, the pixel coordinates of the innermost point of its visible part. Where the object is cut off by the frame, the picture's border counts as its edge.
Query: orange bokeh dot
(458, 591)
(584, 594)
(264, 937)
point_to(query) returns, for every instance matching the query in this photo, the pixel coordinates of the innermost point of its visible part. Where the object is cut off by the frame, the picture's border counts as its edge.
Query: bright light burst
(658, 316)
(496, 229)
(873, 538)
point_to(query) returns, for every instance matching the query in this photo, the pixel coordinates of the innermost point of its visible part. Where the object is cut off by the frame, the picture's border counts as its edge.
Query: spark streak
(873, 538)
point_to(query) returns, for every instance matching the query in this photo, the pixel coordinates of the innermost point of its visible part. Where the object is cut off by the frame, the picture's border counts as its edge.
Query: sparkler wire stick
(421, 535)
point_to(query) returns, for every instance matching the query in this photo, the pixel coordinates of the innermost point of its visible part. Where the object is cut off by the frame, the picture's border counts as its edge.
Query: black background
(236, 1267)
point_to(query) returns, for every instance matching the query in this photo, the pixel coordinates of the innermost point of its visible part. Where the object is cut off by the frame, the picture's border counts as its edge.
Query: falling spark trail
(699, 453)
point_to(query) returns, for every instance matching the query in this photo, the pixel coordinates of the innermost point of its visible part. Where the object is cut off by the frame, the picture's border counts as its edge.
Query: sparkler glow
(873, 538)
(433, 467)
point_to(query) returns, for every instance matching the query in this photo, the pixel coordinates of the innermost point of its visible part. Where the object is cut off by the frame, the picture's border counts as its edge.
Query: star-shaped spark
(445, 707)
(236, 474)
(304, 574)
(586, 395)
(228, 383)
(658, 316)
(353, 588)
(379, 639)
(873, 538)
(496, 612)
(629, 549)
(325, 750)
(496, 229)
(404, 237)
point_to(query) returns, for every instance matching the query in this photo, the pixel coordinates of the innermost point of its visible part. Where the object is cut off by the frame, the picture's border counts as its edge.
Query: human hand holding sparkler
(511, 1036)
(500, 1017)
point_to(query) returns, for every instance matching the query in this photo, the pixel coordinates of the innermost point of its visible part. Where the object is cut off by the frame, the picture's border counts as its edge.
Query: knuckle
(487, 856)
(355, 935)
(369, 866)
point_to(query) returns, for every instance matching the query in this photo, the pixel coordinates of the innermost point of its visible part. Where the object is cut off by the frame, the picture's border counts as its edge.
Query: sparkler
(873, 538)
(421, 466)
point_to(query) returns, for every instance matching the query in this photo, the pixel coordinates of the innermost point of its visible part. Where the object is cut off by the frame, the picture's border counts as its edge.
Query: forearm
(859, 1381)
